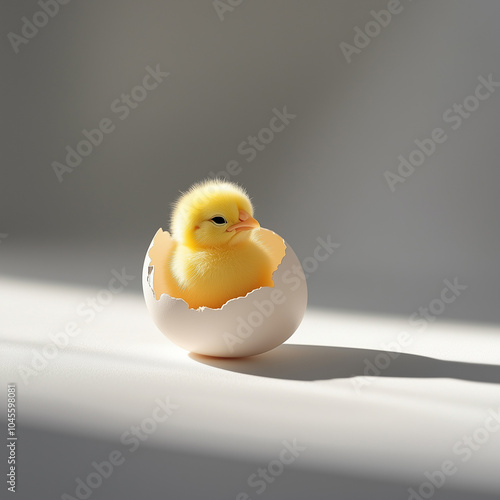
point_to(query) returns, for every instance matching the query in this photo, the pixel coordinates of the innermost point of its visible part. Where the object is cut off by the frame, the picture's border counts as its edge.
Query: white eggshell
(243, 326)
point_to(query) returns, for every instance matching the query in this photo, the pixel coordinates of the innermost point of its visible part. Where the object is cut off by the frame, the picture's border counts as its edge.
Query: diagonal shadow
(313, 362)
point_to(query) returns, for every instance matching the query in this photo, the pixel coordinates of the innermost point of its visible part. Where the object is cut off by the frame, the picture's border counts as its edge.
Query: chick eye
(218, 220)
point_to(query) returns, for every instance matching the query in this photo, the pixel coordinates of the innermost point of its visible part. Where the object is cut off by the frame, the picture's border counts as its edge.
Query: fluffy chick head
(213, 213)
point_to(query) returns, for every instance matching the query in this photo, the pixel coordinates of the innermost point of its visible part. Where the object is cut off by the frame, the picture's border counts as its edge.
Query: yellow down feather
(218, 254)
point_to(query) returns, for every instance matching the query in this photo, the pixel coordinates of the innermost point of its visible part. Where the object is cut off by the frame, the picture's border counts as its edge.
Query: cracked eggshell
(244, 326)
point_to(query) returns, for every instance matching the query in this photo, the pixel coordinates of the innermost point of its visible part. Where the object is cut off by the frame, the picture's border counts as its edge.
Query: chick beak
(247, 222)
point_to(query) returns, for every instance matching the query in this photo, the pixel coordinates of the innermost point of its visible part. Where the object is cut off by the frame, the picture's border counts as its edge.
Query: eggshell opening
(243, 326)
(164, 244)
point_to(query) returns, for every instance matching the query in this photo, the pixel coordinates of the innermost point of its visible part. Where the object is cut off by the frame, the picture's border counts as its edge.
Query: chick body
(218, 254)
(213, 276)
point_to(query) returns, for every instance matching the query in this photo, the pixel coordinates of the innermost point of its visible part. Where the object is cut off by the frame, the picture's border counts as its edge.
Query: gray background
(323, 175)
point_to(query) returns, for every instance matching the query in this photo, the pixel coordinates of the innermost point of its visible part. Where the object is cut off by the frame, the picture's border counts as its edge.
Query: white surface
(393, 428)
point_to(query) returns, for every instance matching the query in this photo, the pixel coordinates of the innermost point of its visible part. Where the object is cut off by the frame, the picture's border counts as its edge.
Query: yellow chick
(218, 254)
